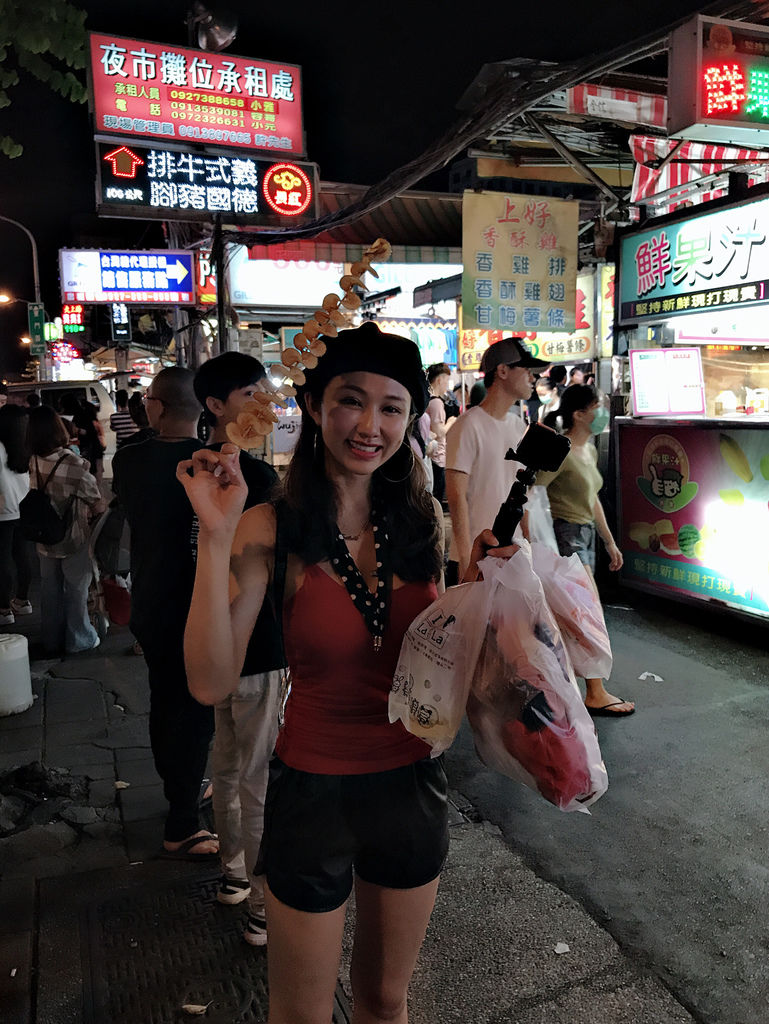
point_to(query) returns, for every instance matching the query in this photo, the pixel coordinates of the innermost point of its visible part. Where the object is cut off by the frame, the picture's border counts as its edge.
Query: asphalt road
(674, 859)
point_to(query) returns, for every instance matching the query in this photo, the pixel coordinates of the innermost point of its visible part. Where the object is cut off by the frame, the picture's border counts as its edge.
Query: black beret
(368, 349)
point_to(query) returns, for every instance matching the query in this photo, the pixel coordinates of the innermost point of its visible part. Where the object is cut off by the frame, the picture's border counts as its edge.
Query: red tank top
(336, 717)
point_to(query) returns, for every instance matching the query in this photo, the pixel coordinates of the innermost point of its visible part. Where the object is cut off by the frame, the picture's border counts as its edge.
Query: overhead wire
(510, 96)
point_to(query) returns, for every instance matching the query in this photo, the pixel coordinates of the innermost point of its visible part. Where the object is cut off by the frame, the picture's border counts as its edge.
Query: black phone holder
(541, 448)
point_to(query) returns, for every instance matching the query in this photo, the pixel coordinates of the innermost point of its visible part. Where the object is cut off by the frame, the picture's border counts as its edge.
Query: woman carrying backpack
(14, 484)
(65, 567)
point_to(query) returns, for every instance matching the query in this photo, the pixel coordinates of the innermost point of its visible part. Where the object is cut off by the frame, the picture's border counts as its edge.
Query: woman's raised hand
(215, 486)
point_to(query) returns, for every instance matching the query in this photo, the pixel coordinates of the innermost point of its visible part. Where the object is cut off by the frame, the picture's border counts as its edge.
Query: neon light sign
(182, 183)
(72, 319)
(719, 82)
(287, 189)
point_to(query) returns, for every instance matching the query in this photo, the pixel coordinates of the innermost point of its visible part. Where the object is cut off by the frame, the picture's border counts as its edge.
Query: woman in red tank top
(352, 799)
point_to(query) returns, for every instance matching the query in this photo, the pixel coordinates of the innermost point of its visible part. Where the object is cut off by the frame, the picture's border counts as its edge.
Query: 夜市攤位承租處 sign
(145, 89)
(158, 277)
(146, 180)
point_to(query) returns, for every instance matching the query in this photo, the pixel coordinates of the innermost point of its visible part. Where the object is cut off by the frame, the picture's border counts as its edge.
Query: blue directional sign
(158, 277)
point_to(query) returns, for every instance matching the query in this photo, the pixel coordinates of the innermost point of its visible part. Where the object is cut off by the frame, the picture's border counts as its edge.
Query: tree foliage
(46, 39)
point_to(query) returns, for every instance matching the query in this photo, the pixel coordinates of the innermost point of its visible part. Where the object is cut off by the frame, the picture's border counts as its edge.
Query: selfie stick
(540, 448)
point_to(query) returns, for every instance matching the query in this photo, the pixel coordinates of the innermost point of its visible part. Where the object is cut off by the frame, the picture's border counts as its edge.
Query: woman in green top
(577, 511)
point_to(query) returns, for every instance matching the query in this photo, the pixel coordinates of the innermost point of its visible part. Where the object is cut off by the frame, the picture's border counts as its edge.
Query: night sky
(380, 84)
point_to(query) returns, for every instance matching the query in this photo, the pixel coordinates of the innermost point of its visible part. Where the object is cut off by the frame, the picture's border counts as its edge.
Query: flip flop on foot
(188, 849)
(617, 709)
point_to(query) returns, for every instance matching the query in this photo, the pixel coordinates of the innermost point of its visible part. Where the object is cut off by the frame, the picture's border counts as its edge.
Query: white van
(92, 391)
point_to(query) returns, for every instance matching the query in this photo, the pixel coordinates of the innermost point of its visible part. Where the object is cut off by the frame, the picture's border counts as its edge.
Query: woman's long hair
(575, 398)
(13, 435)
(308, 500)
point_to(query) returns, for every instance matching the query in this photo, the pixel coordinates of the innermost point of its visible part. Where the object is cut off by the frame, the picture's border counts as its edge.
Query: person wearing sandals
(351, 552)
(577, 511)
(246, 721)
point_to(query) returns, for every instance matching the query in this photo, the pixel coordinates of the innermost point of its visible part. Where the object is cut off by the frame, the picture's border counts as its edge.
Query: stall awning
(606, 103)
(422, 227)
(683, 165)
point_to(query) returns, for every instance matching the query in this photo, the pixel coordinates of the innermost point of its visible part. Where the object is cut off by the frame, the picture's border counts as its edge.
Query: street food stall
(692, 455)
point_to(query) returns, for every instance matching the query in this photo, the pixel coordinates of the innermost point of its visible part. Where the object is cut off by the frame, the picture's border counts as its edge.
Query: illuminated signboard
(72, 319)
(205, 289)
(179, 184)
(154, 89)
(712, 262)
(161, 277)
(719, 82)
(120, 321)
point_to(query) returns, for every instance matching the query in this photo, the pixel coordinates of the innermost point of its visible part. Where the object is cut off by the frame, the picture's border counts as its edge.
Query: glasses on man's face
(153, 398)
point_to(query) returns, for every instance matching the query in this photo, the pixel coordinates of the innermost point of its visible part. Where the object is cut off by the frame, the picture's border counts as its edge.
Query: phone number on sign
(204, 97)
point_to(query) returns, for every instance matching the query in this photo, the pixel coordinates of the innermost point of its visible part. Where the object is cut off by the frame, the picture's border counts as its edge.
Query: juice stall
(692, 452)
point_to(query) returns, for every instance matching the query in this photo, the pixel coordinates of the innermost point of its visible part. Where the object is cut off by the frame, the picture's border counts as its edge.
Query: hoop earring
(400, 479)
(317, 447)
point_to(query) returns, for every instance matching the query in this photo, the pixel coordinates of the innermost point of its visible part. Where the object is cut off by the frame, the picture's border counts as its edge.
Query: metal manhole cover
(150, 946)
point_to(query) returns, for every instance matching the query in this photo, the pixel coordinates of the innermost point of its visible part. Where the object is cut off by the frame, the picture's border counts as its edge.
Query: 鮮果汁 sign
(710, 262)
(145, 89)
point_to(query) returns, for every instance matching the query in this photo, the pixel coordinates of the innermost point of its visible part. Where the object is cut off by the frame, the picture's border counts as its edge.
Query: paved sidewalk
(95, 928)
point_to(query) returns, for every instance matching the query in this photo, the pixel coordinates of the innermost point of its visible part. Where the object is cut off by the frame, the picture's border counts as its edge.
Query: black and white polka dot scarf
(374, 607)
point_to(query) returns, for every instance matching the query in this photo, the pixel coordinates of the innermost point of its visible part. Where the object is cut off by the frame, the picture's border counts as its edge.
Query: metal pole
(30, 236)
(217, 256)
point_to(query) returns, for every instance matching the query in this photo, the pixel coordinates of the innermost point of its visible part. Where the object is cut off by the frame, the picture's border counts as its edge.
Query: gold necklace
(359, 534)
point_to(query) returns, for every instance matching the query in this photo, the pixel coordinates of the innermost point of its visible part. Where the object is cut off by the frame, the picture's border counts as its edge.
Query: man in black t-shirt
(162, 574)
(247, 721)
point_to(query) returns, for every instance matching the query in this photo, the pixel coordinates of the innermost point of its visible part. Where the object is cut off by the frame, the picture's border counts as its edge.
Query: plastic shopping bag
(577, 608)
(540, 518)
(526, 712)
(436, 664)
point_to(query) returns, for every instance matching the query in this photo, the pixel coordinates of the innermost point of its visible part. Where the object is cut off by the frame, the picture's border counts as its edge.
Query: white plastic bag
(577, 608)
(540, 518)
(436, 664)
(527, 715)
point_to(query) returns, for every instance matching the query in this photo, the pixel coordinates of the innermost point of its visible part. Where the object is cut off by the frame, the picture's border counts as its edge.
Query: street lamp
(35, 268)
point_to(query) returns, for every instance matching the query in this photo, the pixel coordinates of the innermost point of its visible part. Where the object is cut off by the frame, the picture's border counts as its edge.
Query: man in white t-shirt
(478, 478)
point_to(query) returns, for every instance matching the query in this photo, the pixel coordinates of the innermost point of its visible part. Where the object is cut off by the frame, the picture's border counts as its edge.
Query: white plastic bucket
(15, 681)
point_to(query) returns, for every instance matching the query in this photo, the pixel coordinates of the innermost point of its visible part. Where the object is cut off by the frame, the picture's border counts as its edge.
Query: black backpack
(38, 519)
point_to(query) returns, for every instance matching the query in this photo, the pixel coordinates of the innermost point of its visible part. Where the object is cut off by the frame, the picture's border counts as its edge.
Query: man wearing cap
(478, 478)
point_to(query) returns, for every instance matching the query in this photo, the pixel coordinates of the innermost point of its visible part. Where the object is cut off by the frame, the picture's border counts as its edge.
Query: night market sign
(719, 81)
(142, 89)
(519, 256)
(706, 263)
(146, 180)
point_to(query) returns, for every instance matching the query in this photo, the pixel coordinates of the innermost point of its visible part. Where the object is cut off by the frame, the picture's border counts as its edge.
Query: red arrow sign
(124, 162)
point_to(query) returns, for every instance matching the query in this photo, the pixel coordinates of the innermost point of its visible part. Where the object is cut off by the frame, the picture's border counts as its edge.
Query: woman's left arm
(615, 555)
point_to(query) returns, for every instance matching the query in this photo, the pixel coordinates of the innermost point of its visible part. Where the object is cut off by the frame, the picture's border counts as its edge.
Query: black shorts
(390, 827)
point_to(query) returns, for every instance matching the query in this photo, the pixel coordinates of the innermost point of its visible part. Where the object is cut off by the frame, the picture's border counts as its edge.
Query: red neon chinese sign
(72, 319)
(287, 189)
(154, 90)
